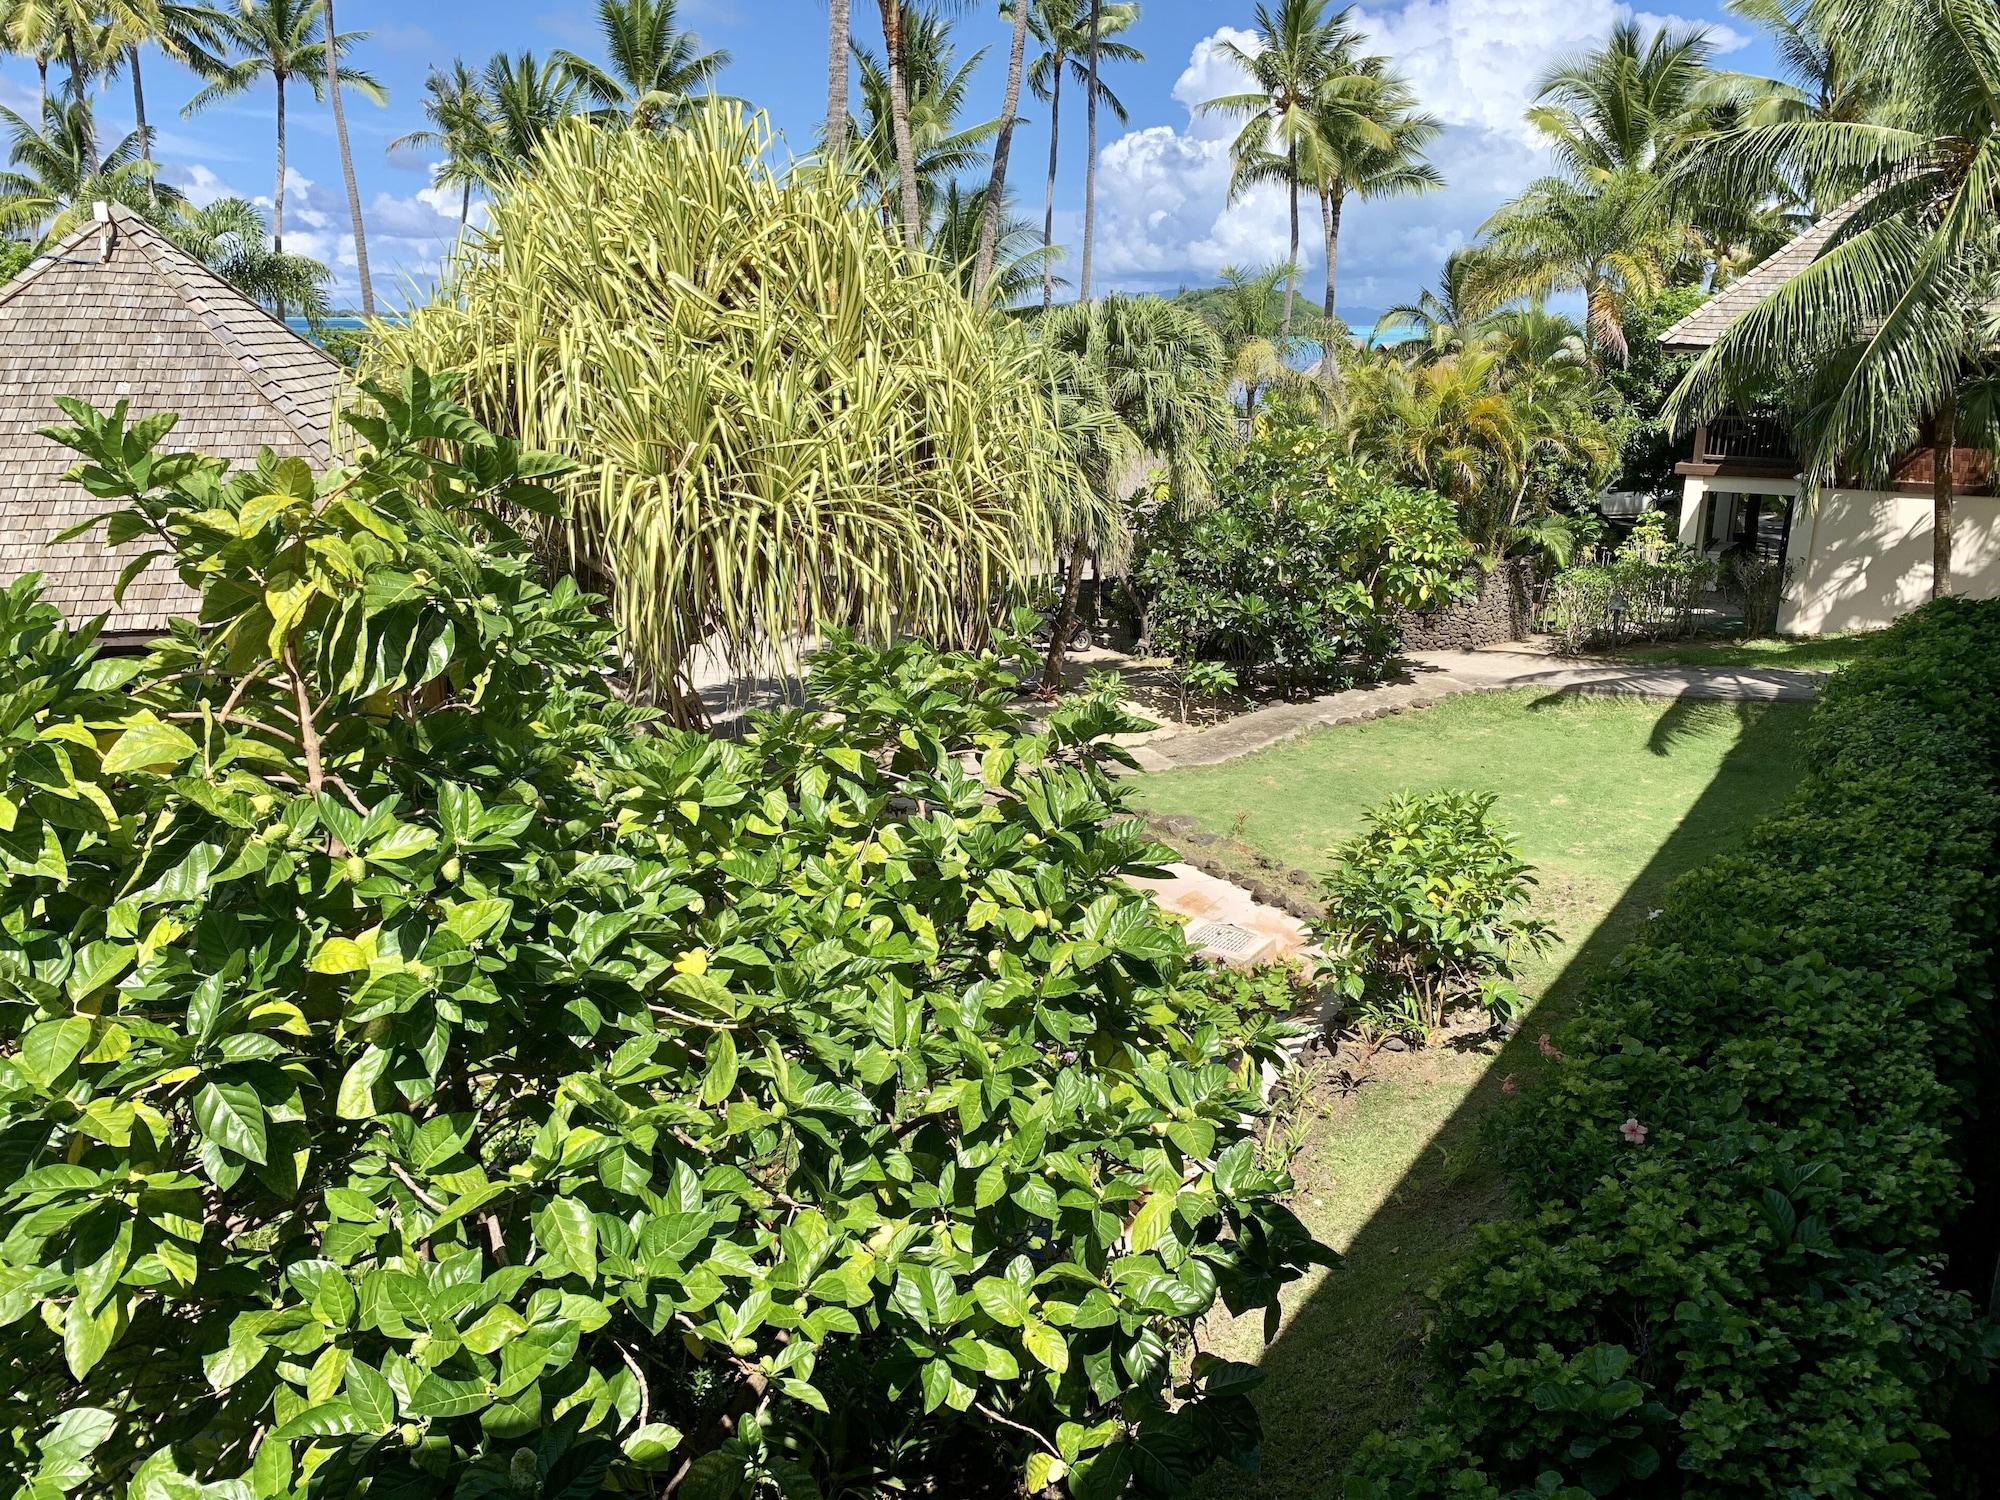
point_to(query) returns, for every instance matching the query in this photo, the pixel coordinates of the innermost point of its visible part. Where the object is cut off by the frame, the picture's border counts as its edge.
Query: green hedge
(1753, 1299)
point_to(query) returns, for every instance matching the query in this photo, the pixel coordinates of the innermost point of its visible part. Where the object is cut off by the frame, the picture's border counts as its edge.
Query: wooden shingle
(117, 312)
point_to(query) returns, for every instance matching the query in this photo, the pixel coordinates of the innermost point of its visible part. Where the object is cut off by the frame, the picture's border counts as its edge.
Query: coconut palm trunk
(347, 162)
(899, 122)
(1049, 197)
(1331, 206)
(1944, 439)
(1090, 165)
(1292, 270)
(278, 194)
(1065, 622)
(838, 27)
(139, 120)
(1003, 145)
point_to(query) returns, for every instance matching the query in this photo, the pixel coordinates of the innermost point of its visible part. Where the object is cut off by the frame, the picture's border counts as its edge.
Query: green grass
(1611, 798)
(1822, 653)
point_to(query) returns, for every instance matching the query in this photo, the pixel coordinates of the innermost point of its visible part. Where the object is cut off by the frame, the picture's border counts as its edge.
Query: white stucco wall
(1863, 557)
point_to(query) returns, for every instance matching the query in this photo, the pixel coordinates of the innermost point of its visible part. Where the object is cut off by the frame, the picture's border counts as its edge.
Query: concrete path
(1436, 676)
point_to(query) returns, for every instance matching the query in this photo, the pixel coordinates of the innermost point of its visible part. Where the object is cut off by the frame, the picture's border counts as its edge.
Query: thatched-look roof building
(117, 312)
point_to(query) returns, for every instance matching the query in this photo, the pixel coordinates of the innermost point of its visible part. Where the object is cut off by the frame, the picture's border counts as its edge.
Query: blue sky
(1165, 220)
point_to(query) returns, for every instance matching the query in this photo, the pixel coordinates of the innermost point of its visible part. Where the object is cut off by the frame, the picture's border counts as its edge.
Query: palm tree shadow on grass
(1349, 1359)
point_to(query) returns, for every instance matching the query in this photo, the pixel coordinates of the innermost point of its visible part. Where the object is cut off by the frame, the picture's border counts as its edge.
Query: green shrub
(423, 1074)
(1423, 915)
(1647, 591)
(1739, 1176)
(1301, 570)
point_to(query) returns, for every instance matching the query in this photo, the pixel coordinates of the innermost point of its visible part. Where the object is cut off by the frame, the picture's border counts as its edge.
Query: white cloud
(1164, 214)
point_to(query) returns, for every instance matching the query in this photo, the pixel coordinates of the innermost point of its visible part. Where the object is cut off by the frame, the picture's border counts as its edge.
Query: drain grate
(1225, 939)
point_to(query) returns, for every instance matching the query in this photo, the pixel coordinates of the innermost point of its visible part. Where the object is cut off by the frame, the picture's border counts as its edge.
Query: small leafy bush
(1424, 915)
(1742, 1175)
(423, 1074)
(1648, 590)
(1300, 571)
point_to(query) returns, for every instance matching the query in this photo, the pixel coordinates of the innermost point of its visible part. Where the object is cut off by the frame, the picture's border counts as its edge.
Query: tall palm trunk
(838, 27)
(1090, 165)
(347, 162)
(278, 196)
(42, 85)
(1065, 621)
(899, 121)
(1049, 198)
(1292, 270)
(1331, 206)
(79, 88)
(996, 187)
(1943, 440)
(139, 120)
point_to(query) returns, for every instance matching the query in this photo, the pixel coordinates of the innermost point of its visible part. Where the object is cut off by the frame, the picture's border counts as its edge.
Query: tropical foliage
(748, 375)
(1424, 915)
(1300, 571)
(1884, 343)
(426, 1073)
(1150, 373)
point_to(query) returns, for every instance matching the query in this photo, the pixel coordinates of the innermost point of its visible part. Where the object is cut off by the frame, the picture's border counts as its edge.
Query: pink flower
(1549, 1048)
(1508, 1086)
(1634, 1132)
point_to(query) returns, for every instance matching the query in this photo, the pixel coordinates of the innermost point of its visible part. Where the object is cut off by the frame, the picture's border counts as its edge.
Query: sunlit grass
(1611, 798)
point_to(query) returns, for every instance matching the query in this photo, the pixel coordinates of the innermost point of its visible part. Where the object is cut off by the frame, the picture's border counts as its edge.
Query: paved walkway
(1438, 675)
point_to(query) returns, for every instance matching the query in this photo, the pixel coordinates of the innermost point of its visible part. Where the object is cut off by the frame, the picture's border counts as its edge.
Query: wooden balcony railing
(1743, 445)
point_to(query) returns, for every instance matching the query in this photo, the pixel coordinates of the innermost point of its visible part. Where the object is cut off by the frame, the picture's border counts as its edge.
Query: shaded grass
(1611, 798)
(1825, 653)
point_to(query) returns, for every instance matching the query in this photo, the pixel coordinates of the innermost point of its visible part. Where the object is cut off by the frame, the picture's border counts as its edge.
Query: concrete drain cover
(1225, 939)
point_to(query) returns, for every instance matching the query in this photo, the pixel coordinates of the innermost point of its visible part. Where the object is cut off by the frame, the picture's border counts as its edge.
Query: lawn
(1611, 798)
(1821, 653)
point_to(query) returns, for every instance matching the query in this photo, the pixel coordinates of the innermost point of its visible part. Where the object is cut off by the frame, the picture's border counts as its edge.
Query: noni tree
(423, 1074)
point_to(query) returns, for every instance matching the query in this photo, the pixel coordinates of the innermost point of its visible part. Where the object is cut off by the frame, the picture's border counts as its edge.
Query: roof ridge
(195, 284)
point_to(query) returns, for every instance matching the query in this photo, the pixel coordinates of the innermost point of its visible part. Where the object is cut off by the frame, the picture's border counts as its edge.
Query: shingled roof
(117, 312)
(1707, 323)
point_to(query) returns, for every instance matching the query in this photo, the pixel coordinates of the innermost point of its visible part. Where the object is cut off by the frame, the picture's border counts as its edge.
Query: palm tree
(1885, 340)
(656, 69)
(995, 199)
(59, 173)
(1093, 71)
(895, 30)
(936, 87)
(1246, 313)
(1824, 77)
(1627, 104)
(1443, 321)
(1611, 226)
(1300, 69)
(1368, 149)
(460, 113)
(1615, 240)
(1161, 370)
(528, 97)
(280, 40)
(228, 236)
(27, 29)
(185, 33)
(957, 242)
(1062, 28)
(347, 157)
(839, 33)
